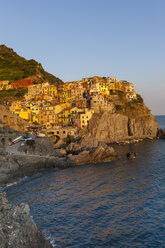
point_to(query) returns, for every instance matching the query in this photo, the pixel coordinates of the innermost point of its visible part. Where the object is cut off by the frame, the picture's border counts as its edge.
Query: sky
(73, 39)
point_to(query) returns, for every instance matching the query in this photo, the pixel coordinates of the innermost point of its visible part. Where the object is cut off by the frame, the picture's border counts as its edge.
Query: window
(82, 121)
(63, 131)
(57, 132)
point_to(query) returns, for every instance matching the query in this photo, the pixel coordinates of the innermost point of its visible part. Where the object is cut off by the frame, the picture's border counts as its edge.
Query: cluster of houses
(70, 104)
(7, 85)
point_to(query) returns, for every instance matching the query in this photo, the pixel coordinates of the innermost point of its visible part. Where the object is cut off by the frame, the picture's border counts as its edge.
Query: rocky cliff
(17, 228)
(131, 121)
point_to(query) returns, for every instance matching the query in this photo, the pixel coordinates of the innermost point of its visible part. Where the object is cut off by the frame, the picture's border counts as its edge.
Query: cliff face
(135, 122)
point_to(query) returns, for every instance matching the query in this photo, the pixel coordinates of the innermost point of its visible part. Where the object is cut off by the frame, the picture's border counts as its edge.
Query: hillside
(14, 67)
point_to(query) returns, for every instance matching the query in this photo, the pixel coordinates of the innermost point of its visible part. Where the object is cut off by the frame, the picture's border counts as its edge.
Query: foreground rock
(86, 142)
(17, 228)
(30, 159)
(99, 154)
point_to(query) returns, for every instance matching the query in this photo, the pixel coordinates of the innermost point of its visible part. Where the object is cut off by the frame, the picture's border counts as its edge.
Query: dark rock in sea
(17, 228)
(131, 155)
(162, 134)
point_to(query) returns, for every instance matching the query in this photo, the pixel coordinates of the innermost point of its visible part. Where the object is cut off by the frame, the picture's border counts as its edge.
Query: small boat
(16, 140)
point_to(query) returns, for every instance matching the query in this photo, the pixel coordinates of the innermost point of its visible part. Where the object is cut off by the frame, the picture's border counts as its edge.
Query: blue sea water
(161, 121)
(115, 204)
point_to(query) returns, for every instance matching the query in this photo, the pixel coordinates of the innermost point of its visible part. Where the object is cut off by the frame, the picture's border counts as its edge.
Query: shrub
(139, 98)
(118, 107)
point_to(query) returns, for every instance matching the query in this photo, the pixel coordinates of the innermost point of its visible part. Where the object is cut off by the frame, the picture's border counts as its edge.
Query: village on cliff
(64, 109)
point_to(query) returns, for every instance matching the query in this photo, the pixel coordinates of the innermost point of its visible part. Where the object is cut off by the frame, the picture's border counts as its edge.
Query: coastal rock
(112, 127)
(162, 134)
(86, 142)
(99, 154)
(131, 155)
(60, 144)
(17, 228)
(61, 151)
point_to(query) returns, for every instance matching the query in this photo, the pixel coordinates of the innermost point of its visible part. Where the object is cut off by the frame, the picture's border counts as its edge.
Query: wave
(49, 236)
(2, 189)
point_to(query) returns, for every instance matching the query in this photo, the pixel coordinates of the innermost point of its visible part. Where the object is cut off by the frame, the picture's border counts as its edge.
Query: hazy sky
(80, 38)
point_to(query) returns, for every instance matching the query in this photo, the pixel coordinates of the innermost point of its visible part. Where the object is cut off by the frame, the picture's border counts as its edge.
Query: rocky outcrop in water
(99, 154)
(121, 125)
(17, 228)
(162, 134)
(88, 149)
(85, 142)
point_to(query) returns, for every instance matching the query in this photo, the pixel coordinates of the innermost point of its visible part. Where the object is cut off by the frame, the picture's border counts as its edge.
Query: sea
(115, 204)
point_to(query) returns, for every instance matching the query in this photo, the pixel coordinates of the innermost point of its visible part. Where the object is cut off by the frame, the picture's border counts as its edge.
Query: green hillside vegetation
(12, 94)
(14, 67)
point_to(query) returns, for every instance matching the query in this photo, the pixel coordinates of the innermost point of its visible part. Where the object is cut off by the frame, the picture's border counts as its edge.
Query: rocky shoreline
(36, 156)
(19, 161)
(41, 154)
(17, 228)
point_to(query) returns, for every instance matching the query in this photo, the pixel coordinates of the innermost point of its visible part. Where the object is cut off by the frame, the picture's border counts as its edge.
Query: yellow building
(64, 117)
(5, 85)
(51, 115)
(67, 93)
(104, 88)
(52, 90)
(24, 115)
(53, 109)
(16, 107)
(84, 118)
(35, 118)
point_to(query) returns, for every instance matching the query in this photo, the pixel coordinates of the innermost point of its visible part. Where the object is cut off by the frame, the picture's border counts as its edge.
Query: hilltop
(14, 67)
